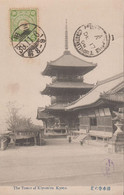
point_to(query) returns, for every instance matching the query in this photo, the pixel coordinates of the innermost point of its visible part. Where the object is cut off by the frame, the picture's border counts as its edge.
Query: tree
(15, 121)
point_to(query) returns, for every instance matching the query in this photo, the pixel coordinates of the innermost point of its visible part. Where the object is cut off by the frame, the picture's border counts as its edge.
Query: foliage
(15, 121)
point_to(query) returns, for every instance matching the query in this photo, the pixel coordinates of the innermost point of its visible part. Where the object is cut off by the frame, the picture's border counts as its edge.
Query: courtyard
(59, 163)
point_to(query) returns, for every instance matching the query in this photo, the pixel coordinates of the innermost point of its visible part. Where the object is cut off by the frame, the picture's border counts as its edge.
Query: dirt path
(59, 163)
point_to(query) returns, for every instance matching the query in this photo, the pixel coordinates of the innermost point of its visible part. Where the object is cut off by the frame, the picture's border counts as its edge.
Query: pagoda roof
(56, 106)
(42, 114)
(68, 62)
(70, 85)
(99, 92)
(59, 87)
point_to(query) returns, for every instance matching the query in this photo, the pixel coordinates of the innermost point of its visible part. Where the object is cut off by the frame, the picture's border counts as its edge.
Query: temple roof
(114, 97)
(117, 89)
(101, 88)
(68, 62)
(70, 87)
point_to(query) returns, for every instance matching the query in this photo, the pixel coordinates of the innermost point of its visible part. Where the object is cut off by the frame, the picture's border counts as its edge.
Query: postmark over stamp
(91, 40)
(28, 39)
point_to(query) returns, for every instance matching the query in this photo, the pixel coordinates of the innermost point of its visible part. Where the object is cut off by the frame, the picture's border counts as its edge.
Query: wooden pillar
(14, 140)
(35, 140)
(45, 126)
(40, 137)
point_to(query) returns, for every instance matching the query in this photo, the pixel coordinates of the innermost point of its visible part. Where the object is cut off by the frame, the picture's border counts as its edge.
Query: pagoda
(67, 73)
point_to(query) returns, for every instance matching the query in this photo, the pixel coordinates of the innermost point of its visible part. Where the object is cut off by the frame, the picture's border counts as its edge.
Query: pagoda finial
(66, 36)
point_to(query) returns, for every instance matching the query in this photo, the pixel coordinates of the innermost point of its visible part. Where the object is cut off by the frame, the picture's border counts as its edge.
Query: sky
(21, 80)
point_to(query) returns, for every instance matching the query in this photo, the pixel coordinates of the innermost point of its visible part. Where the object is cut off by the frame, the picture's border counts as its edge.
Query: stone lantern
(116, 144)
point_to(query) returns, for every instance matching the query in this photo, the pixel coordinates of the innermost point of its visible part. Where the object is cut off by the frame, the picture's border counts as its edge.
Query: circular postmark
(107, 166)
(91, 40)
(28, 40)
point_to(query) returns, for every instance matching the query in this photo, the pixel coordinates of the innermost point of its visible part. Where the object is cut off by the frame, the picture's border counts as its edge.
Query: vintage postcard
(61, 97)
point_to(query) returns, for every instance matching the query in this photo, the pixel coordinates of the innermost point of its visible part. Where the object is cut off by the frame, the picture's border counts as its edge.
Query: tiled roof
(114, 97)
(67, 59)
(61, 106)
(93, 95)
(42, 114)
(70, 85)
(68, 63)
(119, 87)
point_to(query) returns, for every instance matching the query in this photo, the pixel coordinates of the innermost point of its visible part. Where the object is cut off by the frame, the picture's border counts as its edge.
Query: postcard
(61, 97)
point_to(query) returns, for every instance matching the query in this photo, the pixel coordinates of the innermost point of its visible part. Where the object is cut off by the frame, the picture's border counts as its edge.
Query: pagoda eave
(65, 91)
(52, 70)
(43, 115)
(56, 107)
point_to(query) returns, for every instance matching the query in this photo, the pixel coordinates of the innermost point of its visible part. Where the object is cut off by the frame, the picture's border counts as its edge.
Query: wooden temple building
(68, 85)
(96, 110)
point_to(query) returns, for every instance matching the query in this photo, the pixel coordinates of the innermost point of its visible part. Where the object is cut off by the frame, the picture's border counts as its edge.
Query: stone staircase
(79, 138)
(86, 139)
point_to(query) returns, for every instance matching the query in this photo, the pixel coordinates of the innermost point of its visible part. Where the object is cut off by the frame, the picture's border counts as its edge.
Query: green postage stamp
(22, 16)
(28, 39)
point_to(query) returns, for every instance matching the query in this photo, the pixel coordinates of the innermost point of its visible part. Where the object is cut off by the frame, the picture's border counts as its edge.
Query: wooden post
(40, 136)
(35, 140)
(14, 140)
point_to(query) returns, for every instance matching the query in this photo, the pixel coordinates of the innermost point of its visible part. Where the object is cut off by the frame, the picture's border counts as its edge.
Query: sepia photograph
(62, 97)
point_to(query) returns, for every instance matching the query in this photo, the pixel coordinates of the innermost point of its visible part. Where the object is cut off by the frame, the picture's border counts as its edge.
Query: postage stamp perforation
(21, 9)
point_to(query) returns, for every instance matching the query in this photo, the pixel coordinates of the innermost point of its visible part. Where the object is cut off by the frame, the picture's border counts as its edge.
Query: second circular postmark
(91, 40)
(28, 40)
